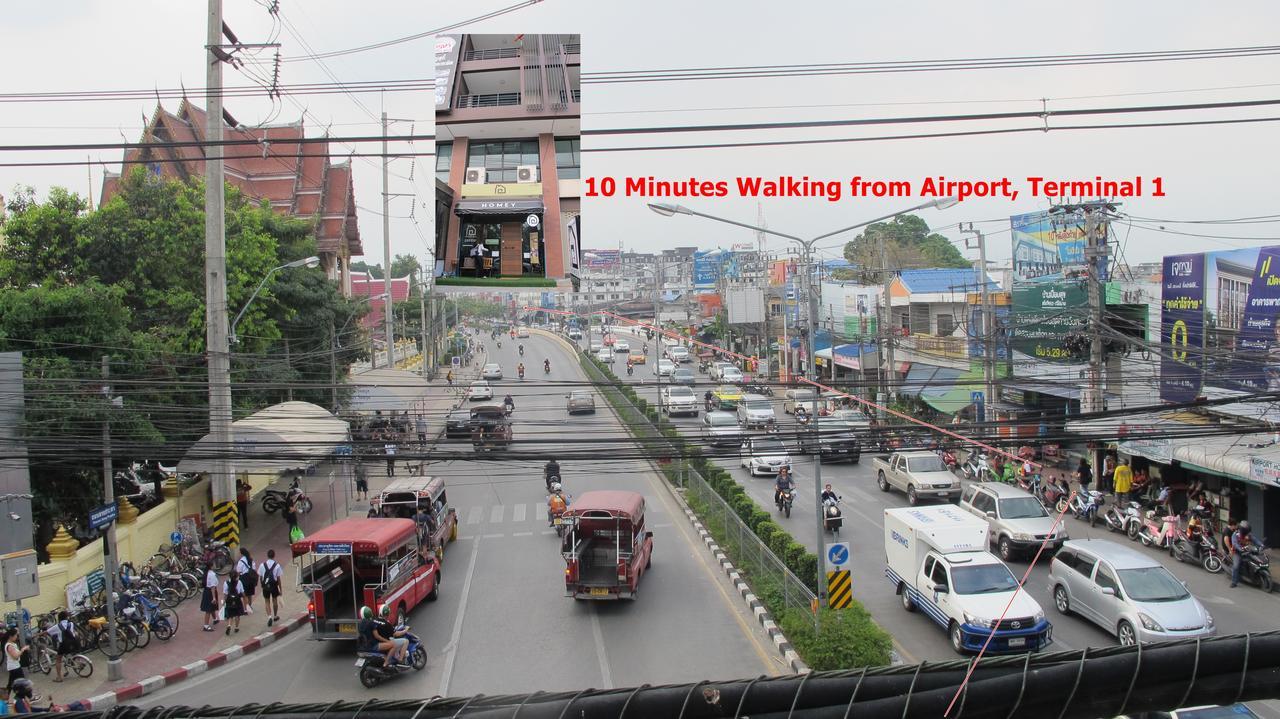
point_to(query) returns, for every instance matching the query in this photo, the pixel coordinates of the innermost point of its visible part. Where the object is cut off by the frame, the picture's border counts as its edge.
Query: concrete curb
(153, 684)
(762, 615)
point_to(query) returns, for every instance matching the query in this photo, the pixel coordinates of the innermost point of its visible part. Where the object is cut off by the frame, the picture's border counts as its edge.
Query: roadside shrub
(794, 552)
(758, 517)
(778, 544)
(806, 569)
(845, 638)
(766, 529)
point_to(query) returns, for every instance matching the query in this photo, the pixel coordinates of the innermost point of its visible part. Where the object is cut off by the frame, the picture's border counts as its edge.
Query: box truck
(937, 559)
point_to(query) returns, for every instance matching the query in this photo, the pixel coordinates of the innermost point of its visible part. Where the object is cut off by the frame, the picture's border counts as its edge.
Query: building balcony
(944, 346)
(573, 48)
(496, 53)
(492, 99)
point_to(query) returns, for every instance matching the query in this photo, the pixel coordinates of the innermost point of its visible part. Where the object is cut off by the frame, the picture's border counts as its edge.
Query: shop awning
(285, 436)
(1055, 390)
(953, 392)
(497, 207)
(922, 378)
(386, 390)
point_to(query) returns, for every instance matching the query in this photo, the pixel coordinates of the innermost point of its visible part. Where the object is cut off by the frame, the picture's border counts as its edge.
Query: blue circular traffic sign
(838, 553)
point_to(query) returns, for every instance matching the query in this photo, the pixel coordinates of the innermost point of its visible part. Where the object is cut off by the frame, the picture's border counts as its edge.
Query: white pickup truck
(936, 559)
(921, 475)
(679, 400)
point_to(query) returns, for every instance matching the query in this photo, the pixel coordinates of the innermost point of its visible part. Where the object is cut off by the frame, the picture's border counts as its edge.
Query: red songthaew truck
(605, 546)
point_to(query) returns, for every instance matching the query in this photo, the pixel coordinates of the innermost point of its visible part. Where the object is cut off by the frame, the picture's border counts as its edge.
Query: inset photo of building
(508, 119)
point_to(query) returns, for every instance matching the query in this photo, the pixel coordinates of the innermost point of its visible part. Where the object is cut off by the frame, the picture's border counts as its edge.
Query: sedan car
(621, 347)
(493, 370)
(678, 354)
(638, 358)
(663, 368)
(605, 355)
(457, 424)
(765, 455)
(732, 375)
(682, 375)
(594, 346)
(1126, 592)
(522, 332)
(479, 390)
(580, 400)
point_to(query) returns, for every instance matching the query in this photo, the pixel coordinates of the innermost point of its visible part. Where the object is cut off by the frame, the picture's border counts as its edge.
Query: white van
(937, 561)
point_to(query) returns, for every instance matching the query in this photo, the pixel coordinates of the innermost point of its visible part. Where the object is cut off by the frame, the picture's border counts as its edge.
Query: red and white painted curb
(152, 684)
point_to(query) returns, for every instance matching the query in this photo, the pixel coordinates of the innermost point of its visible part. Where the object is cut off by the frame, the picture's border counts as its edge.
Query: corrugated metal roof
(944, 280)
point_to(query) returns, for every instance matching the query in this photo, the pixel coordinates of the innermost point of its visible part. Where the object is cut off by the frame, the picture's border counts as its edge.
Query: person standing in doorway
(270, 575)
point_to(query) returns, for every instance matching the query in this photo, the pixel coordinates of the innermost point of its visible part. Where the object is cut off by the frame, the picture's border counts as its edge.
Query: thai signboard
(448, 47)
(1182, 314)
(1264, 471)
(1046, 313)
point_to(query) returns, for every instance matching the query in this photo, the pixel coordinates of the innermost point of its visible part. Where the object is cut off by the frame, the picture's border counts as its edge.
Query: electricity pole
(386, 249)
(988, 322)
(889, 372)
(226, 522)
(811, 305)
(422, 318)
(657, 323)
(115, 664)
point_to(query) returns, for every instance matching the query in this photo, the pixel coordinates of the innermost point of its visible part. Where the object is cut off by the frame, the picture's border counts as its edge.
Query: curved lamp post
(305, 262)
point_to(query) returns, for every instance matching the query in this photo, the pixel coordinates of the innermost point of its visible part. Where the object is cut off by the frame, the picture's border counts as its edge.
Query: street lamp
(669, 210)
(305, 262)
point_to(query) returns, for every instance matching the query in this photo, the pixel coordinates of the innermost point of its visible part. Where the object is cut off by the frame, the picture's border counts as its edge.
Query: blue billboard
(1049, 246)
(706, 267)
(1182, 315)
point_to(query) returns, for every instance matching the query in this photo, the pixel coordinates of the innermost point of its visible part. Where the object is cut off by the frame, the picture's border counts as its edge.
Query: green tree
(374, 271)
(909, 244)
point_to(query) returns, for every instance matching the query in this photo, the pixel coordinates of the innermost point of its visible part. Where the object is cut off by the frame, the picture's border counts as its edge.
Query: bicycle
(45, 659)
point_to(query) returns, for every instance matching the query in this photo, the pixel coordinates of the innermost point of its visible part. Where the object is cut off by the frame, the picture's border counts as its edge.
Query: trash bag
(295, 534)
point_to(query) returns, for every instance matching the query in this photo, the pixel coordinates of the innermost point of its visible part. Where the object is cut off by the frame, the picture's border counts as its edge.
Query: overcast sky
(1210, 172)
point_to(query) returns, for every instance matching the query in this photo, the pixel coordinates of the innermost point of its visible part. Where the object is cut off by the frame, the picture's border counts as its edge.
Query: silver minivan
(793, 398)
(756, 410)
(1126, 592)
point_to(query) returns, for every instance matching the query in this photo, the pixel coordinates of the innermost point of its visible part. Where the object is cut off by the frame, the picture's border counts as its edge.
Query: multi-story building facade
(507, 149)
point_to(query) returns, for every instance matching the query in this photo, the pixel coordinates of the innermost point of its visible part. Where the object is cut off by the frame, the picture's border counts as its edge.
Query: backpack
(270, 585)
(249, 580)
(68, 643)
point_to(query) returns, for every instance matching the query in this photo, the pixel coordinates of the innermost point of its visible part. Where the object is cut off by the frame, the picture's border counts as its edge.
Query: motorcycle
(1158, 534)
(977, 467)
(521, 350)
(546, 368)
(274, 500)
(1053, 496)
(554, 515)
(802, 419)
(784, 501)
(521, 373)
(1202, 549)
(949, 459)
(1121, 519)
(1255, 567)
(374, 668)
(630, 370)
(833, 518)
(1086, 505)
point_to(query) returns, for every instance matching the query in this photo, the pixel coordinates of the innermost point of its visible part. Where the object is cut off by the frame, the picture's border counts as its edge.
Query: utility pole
(386, 248)
(657, 323)
(422, 317)
(890, 371)
(988, 328)
(115, 664)
(226, 522)
(811, 304)
(333, 367)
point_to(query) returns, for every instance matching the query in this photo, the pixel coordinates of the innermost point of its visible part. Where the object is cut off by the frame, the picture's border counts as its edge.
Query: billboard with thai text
(1182, 315)
(1048, 246)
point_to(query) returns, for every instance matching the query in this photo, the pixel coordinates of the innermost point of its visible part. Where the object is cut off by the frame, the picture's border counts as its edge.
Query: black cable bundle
(1061, 685)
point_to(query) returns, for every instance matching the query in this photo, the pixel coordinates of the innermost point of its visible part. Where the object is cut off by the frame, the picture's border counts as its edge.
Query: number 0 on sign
(838, 554)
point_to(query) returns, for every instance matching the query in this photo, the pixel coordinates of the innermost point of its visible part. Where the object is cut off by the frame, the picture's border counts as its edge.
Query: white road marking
(475, 515)
(495, 515)
(1215, 599)
(522, 534)
(494, 536)
(517, 514)
(452, 647)
(606, 676)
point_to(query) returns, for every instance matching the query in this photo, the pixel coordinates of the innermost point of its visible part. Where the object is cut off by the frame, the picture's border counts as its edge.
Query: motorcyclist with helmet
(520, 370)
(829, 494)
(556, 503)
(551, 472)
(509, 403)
(522, 350)
(783, 483)
(382, 636)
(546, 366)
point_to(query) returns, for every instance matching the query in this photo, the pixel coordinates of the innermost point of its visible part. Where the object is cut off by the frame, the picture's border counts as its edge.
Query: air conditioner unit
(527, 173)
(475, 176)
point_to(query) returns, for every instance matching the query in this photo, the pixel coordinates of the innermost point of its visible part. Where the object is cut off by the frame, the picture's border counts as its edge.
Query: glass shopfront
(512, 246)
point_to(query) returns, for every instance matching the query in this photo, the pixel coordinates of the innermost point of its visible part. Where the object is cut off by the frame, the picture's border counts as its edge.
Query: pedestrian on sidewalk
(1084, 475)
(362, 481)
(1106, 481)
(1123, 482)
(420, 424)
(270, 573)
(248, 572)
(233, 590)
(209, 600)
(390, 449)
(13, 651)
(290, 512)
(65, 641)
(242, 502)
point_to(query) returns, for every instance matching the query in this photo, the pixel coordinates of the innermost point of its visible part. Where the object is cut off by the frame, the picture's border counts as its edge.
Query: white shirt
(210, 579)
(276, 570)
(228, 586)
(244, 566)
(10, 662)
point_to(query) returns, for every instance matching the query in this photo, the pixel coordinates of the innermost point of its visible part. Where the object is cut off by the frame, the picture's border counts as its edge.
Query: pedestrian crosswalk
(514, 514)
